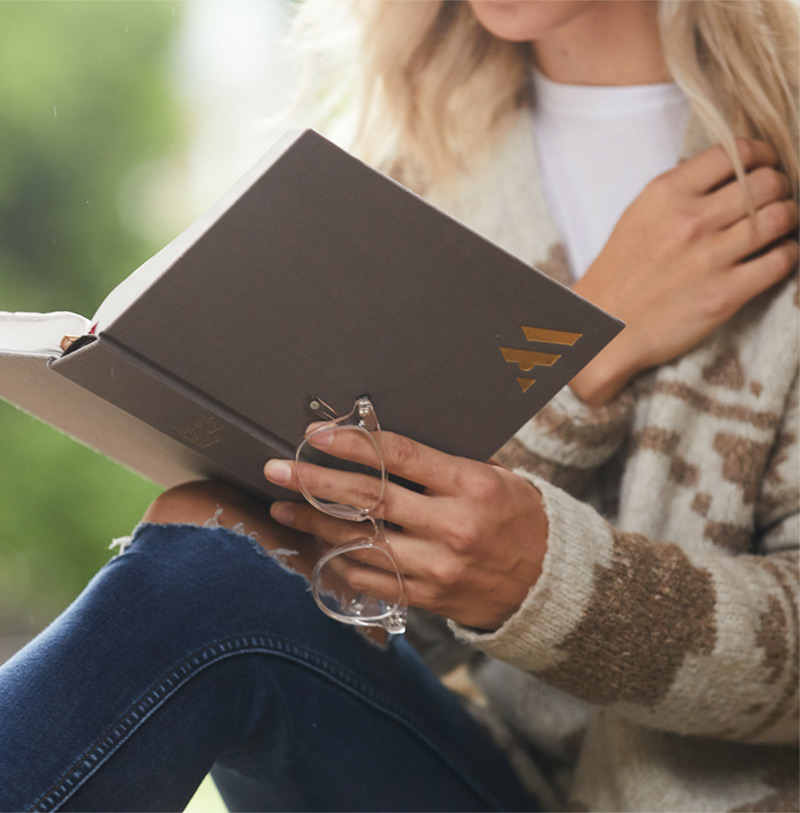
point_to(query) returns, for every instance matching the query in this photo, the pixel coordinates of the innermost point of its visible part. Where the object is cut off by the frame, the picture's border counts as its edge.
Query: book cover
(315, 276)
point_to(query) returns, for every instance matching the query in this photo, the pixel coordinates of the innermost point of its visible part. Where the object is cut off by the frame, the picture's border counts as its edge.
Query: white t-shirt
(598, 148)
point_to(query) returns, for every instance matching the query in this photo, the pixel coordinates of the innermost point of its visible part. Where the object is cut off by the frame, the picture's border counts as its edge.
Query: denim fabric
(194, 650)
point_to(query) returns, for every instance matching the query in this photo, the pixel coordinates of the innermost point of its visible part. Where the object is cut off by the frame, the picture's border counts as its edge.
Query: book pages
(38, 334)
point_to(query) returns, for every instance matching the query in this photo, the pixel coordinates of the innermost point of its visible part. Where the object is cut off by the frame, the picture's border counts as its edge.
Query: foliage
(85, 97)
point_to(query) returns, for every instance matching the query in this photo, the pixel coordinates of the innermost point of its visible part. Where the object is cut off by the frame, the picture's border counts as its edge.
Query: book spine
(235, 447)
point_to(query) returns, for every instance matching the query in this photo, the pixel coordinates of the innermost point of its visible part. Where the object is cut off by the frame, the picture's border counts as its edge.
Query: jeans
(195, 651)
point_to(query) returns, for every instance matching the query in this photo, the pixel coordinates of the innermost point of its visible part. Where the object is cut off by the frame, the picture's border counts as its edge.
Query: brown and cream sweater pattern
(654, 665)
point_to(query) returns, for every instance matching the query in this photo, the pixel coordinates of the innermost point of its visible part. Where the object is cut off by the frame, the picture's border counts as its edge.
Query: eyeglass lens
(343, 576)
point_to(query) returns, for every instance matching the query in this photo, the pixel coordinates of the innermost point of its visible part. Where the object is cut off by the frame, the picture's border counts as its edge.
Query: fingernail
(278, 471)
(282, 512)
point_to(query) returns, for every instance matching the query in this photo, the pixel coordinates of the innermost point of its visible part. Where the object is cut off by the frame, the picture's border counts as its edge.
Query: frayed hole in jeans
(279, 554)
(122, 543)
(213, 522)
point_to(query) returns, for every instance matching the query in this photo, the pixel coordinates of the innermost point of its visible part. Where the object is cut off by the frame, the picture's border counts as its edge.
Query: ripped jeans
(194, 651)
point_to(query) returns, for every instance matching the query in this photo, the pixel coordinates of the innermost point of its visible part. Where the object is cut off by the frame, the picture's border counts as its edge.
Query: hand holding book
(469, 547)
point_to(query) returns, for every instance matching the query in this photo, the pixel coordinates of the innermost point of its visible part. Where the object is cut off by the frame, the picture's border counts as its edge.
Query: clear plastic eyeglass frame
(364, 477)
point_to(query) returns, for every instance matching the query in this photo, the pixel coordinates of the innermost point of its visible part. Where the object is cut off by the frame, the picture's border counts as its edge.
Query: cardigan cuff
(578, 541)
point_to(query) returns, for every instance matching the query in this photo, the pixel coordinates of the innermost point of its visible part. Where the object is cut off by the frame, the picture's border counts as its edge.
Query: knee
(225, 505)
(191, 503)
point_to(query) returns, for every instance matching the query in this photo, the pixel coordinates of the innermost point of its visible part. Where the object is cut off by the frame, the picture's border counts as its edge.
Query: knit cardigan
(654, 664)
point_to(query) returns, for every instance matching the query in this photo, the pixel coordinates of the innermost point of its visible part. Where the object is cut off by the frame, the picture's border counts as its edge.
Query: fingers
(422, 464)
(756, 275)
(713, 167)
(363, 491)
(345, 442)
(350, 578)
(750, 235)
(731, 203)
(357, 489)
(397, 504)
(411, 551)
(331, 531)
(404, 457)
(366, 565)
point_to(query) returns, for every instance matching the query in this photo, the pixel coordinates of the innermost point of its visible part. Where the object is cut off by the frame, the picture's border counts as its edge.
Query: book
(315, 275)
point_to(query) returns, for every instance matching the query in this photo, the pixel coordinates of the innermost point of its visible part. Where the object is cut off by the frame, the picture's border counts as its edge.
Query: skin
(584, 42)
(684, 257)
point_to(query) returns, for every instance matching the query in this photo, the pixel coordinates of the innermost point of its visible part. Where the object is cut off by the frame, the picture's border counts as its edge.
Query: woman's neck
(613, 43)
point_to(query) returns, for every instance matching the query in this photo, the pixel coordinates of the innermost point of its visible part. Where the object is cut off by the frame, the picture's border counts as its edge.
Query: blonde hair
(738, 64)
(435, 89)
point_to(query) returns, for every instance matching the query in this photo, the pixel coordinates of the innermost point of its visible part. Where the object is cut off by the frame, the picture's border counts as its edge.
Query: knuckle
(784, 258)
(481, 482)
(449, 572)
(369, 492)
(465, 534)
(706, 255)
(308, 475)
(686, 226)
(662, 186)
(430, 597)
(771, 183)
(360, 555)
(402, 451)
(491, 486)
(718, 303)
(778, 217)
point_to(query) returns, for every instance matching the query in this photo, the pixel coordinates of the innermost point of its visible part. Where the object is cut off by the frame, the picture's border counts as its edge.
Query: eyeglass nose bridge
(363, 410)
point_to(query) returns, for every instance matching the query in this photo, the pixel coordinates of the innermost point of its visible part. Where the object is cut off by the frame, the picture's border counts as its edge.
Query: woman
(626, 596)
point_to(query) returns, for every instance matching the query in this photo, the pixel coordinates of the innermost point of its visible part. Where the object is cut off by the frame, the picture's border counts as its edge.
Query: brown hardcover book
(315, 275)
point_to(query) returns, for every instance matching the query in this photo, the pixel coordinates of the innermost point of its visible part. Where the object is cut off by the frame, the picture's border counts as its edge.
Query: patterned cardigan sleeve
(682, 637)
(567, 441)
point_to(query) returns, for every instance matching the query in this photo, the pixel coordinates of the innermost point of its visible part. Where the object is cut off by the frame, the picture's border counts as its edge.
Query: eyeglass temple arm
(321, 409)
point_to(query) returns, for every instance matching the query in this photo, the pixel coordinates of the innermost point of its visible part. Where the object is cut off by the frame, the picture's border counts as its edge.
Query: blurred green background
(84, 97)
(119, 123)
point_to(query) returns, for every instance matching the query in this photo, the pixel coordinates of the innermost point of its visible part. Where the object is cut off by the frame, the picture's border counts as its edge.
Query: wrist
(611, 369)
(606, 374)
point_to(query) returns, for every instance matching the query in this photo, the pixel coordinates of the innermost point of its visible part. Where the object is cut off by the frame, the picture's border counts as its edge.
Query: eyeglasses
(337, 575)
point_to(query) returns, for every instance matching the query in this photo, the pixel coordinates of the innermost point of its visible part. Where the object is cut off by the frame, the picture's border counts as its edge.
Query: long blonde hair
(435, 88)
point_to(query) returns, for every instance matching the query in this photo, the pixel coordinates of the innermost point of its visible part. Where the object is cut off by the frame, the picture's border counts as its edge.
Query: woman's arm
(684, 257)
(683, 637)
(686, 637)
(473, 544)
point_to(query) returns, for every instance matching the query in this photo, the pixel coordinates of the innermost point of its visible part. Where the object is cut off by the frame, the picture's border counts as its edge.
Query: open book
(315, 275)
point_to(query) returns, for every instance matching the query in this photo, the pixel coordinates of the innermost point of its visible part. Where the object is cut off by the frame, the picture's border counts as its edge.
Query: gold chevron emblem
(526, 360)
(540, 334)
